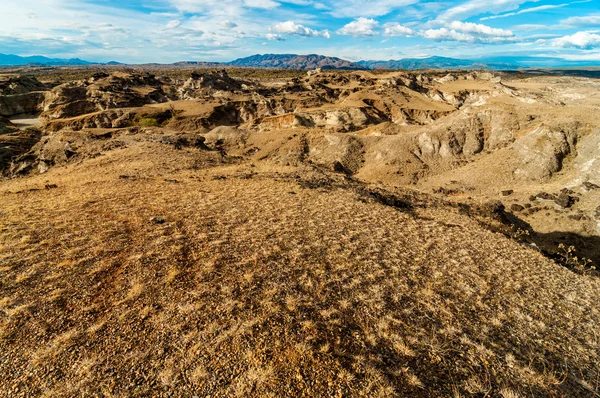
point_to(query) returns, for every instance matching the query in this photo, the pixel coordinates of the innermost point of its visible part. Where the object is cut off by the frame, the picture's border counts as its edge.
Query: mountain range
(312, 61)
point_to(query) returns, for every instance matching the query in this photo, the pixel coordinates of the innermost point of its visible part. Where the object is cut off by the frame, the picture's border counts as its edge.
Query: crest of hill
(294, 61)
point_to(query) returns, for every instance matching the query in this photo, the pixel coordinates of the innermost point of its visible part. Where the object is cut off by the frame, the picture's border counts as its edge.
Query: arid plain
(261, 233)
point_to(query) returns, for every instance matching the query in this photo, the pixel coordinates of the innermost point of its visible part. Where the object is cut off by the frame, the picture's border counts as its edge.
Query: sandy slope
(266, 280)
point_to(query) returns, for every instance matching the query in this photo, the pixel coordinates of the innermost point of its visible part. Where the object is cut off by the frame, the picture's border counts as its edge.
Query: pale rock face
(428, 145)
(341, 118)
(343, 148)
(502, 129)
(542, 152)
(226, 136)
(587, 161)
(18, 104)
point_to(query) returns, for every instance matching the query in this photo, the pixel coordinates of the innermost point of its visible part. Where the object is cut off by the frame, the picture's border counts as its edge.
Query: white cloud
(264, 4)
(222, 7)
(584, 40)
(479, 29)
(274, 37)
(582, 56)
(446, 34)
(474, 7)
(395, 29)
(360, 27)
(228, 24)
(366, 8)
(469, 32)
(533, 9)
(292, 28)
(588, 20)
(173, 24)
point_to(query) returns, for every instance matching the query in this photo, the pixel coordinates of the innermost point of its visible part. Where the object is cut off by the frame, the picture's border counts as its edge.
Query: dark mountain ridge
(313, 61)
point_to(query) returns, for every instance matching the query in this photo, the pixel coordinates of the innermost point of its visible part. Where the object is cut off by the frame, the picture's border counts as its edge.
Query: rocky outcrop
(102, 92)
(6, 126)
(542, 151)
(340, 119)
(226, 138)
(286, 121)
(20, 85)
(199, 83)
(18, 104)
(343, 152)
(114, 118)
(14, 143)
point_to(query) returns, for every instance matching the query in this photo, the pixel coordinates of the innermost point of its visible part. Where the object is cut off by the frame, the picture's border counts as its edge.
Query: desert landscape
(241, 232)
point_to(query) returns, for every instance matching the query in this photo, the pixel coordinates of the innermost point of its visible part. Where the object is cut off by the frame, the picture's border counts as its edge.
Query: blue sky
(138, 31)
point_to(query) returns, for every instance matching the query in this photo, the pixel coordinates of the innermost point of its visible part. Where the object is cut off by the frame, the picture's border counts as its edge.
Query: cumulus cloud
(360, 27)
(469, 32)
(228, 24)
(274, 37)
(395, 29)
(442, 34)
(479, 29)
(585, 40)
(292, 28)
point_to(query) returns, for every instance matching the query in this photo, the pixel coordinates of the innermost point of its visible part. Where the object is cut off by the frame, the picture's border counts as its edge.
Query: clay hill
(336, 233)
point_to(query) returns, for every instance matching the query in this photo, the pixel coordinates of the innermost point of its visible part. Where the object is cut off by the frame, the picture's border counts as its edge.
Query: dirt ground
(372, 251)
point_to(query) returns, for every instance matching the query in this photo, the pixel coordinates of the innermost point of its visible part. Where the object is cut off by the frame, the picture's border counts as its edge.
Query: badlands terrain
(261, 233)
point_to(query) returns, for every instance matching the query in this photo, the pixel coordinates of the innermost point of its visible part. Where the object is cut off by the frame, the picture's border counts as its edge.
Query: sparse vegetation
(571, 260)
(148, 122)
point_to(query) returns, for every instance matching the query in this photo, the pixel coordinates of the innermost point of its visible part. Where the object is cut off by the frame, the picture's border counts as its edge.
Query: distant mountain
(491, 63)
(15, 60)
(538, 62)
(200, 64)
(439, 63)
(294, 61)
(313, 61)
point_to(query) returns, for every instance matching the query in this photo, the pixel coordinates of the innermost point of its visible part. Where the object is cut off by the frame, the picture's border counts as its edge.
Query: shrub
(148, 122)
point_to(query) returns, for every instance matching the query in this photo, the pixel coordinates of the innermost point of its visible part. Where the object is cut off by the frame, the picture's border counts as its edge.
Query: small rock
(545, 196)
(590, 186)
(158, 220)
(338, 167)
(598, 212)
(507, 192)
(516, 208)
(567, 191)
(564, 200)
(51, 186)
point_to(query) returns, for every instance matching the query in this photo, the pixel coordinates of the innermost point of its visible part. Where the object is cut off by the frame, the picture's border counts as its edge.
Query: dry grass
(249, 290)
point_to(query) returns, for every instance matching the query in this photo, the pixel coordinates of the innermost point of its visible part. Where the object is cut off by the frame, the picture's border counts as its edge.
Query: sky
(166, 31)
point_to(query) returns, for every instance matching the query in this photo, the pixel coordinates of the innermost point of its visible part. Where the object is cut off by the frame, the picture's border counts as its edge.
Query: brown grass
(248, 290)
